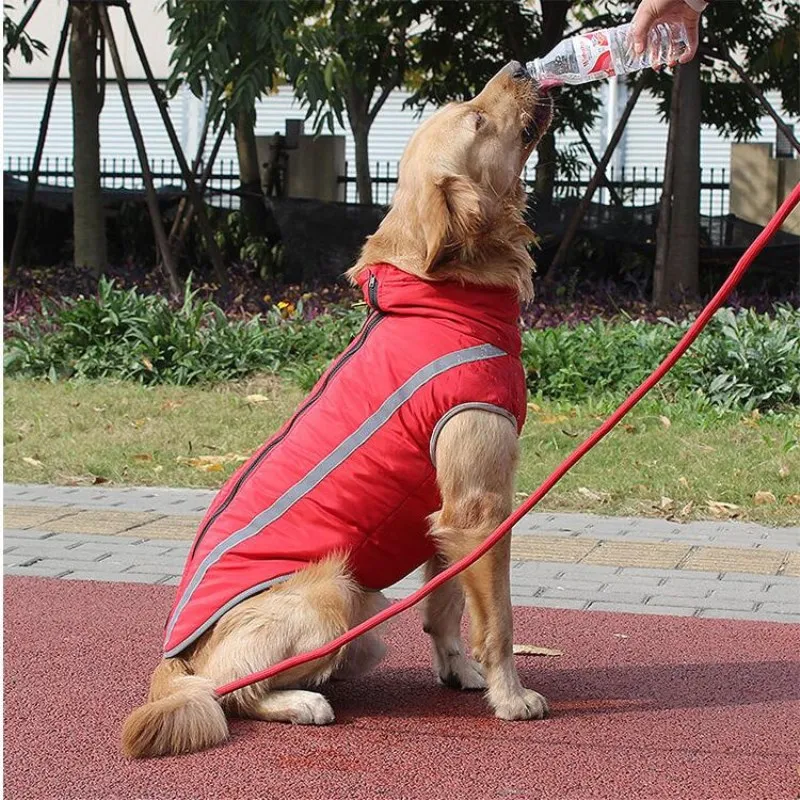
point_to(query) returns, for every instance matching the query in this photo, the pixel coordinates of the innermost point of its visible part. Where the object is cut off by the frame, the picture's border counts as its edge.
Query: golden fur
(456, 215)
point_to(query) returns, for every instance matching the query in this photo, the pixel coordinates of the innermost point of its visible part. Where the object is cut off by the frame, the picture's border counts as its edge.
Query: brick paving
(650, 566)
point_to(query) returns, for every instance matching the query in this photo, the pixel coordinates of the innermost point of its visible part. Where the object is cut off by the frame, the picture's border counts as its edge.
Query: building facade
(642, 147)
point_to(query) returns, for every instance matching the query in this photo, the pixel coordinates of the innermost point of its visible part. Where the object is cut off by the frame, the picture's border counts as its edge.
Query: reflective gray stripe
(259, 587)
(467, 407)
(316, 475)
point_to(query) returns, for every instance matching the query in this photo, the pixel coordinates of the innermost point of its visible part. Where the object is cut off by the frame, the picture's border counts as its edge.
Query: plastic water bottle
(602, 54)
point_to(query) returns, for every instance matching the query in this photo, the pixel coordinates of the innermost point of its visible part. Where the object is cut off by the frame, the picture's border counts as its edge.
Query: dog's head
(457, 211)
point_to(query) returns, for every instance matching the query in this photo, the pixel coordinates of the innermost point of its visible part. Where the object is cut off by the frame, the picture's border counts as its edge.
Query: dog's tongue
(549, 83)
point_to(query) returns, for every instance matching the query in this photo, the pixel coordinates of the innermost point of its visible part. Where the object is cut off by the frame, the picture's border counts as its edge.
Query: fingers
(693, 32)
(643, 20)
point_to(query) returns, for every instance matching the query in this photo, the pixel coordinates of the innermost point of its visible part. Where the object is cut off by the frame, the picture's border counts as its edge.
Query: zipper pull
(372, 291)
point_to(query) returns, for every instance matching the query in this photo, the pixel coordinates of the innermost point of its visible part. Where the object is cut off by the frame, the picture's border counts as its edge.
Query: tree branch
(590, 150)
(397, 79)
(759, 95)
(577, 217)
(382, 98)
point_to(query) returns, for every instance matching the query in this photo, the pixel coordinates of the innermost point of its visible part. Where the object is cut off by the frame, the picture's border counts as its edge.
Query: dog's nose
(517, 71)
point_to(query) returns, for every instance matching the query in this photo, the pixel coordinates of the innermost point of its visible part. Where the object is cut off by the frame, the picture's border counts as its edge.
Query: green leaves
(345, 56)
(764, 39)
(231, 48)
(18, 40)
(743, 360)
(130, 336)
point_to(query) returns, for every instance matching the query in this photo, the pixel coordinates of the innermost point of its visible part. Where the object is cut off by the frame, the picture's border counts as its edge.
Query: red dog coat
(352, 471)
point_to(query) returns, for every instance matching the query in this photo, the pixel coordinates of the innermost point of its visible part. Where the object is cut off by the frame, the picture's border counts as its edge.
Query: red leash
(459, 566)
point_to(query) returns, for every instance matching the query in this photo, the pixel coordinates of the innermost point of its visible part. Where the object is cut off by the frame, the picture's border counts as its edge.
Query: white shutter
(643, 145)
(22, 112)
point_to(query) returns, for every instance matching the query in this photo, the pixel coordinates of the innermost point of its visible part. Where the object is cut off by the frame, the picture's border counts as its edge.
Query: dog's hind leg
(368, 650)
(291, 705)
(305, 612)
(476, 457)
(441, 620)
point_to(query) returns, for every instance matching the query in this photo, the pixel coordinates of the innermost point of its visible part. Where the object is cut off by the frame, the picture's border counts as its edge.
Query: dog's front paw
(528, 705)
(460, 672)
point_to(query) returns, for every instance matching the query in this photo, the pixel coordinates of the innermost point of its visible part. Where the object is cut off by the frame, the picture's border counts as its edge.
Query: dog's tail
(182, 715)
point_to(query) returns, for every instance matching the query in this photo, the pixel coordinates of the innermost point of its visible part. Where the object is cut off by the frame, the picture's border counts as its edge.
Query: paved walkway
(572, 561)
(643, 708)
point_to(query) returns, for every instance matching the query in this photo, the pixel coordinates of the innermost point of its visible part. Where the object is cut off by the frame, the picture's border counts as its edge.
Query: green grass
(75, 432)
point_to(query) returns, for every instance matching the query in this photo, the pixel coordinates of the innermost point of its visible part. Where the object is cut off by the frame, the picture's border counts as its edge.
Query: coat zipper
(372, 292)
(357, 344)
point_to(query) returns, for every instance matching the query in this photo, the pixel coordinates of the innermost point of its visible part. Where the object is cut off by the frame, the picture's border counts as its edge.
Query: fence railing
(636, 186)
(126, 174)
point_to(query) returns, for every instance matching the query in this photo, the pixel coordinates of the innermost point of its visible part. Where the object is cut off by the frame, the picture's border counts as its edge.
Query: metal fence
(125, 174)
(636, 186)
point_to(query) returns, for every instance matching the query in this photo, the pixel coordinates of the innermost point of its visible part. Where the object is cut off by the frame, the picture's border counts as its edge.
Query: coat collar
(489, 312)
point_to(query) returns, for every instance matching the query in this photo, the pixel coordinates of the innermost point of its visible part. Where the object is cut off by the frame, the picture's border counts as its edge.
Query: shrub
(127, 335)
(743, 360)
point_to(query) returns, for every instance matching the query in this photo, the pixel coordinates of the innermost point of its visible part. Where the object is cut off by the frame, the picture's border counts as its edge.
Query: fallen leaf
(683, 482)
(75, 480)
(753, 419)
(99, 409)
(590, 495)
(168, 405)
(783, 472)
(533, 650)
(687, 509)
(720, 509)
(666, 503)
(552, 419)
(34, 462)
(98, 479)
(142, 457)
(534, 407)
(665, 421)
(629, 428)
(211, 463)
(765, 498)
(159, 468)
(793, 499)
(256, 398)
(148, 364)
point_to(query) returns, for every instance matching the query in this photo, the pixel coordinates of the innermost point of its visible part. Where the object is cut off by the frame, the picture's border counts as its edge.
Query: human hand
(652, 12)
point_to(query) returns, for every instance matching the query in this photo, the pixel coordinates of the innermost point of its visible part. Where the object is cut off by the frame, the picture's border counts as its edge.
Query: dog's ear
(451, 215)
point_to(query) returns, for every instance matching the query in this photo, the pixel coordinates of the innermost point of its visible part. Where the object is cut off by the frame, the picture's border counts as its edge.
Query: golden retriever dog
(457, 215)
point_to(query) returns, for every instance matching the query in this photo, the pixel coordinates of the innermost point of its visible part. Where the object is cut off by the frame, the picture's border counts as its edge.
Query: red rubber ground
(681, 709)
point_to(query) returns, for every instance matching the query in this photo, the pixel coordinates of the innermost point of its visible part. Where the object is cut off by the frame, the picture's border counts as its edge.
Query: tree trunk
(554, 18)
(660, 294)
(546, 171)
(681, 273)
(253, 207)
(89, 229)
(363, 176)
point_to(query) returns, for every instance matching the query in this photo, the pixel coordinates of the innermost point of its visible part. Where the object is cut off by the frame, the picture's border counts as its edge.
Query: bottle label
(594, 55)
